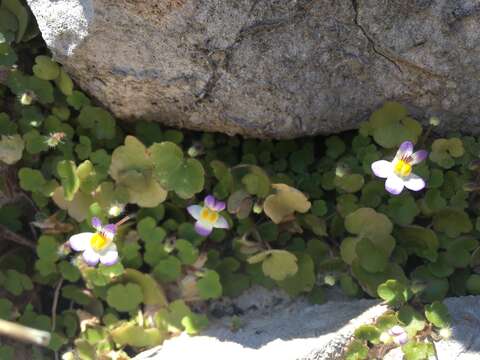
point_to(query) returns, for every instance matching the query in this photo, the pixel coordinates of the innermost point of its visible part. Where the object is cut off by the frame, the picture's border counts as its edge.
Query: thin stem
(56, 295)
(9, 235)
(124, 220)
(434, 347)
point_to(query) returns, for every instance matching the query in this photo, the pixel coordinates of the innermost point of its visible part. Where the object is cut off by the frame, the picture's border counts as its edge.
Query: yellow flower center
(402, 168)
(98, 242)
(208, 215)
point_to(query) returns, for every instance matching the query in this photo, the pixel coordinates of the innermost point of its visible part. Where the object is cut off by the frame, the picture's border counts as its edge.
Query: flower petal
(396, 330)
(221, 223)
(109, 256)
(405, 149)
(419, 156)
(203, 229)
(219, 206)
(382, 168)
(109, 231)
(80, 242)
(195, 210)
(394, 184)
(91, 257)
(96, 223)
(400, 339)
(414, 182)
(210, 202)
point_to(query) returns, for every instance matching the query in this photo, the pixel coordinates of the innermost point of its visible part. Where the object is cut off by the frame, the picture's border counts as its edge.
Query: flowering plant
(398, 172)
(208, 216)
(97, 246)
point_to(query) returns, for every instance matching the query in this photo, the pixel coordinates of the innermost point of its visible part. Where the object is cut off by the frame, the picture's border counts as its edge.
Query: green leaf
(69, 271)
(393, 292)
(303, 280)
(473, 284)
(417, 350)
(209, 286)
(390, 126)
(184, 176)
(17, 8)
(402, 209)
(31, 180)
(98, 120)
(445, 150)
(371, 258)
(171, 318)
(68, 176)
(34, 142)
(20, 84)
(83, 148)
(11, 149)
(350, 183)
(132, 168)
(357, 350)
(168, 269)
(419, 240)
(411, 319)
(137, 336)
(6, 309)
(286, 201)
(187, 253)
(437, 313)
(367, 222)
(125, 298)
(427, 286)
(349, 286)
(16, 283)
(45, 68)
(194, 323)
(367, 333)
(452, 222)
(64, 83)
(153, 293)
(8, 57)
(78, 100)
(277, 264)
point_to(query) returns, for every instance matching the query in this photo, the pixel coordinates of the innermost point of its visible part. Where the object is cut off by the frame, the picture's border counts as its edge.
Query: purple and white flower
(97, 246)
(398, 334)
(398, 172)
(208, 216)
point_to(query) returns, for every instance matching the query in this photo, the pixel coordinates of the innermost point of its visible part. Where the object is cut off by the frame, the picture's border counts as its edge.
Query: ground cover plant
(121, 232)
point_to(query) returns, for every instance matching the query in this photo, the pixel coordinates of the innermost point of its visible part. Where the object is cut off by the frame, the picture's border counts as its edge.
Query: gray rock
(295, 329)
(278, 330)
(272, 68)
(464, 343)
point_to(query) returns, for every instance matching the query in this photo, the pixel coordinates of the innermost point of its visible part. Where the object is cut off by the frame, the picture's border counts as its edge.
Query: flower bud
(257, 208)
(445, 333)
(434, 121)
(398, 334)
(195, 150)
(26, 98)
(116, 209)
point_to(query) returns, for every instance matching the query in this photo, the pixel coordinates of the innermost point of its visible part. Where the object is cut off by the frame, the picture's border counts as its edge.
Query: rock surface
(272, 68)
(281, 329)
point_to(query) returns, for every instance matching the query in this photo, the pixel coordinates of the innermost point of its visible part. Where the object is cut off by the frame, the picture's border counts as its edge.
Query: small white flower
(399, 335)
(398, 172)
(208, 216)
(97, 246)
